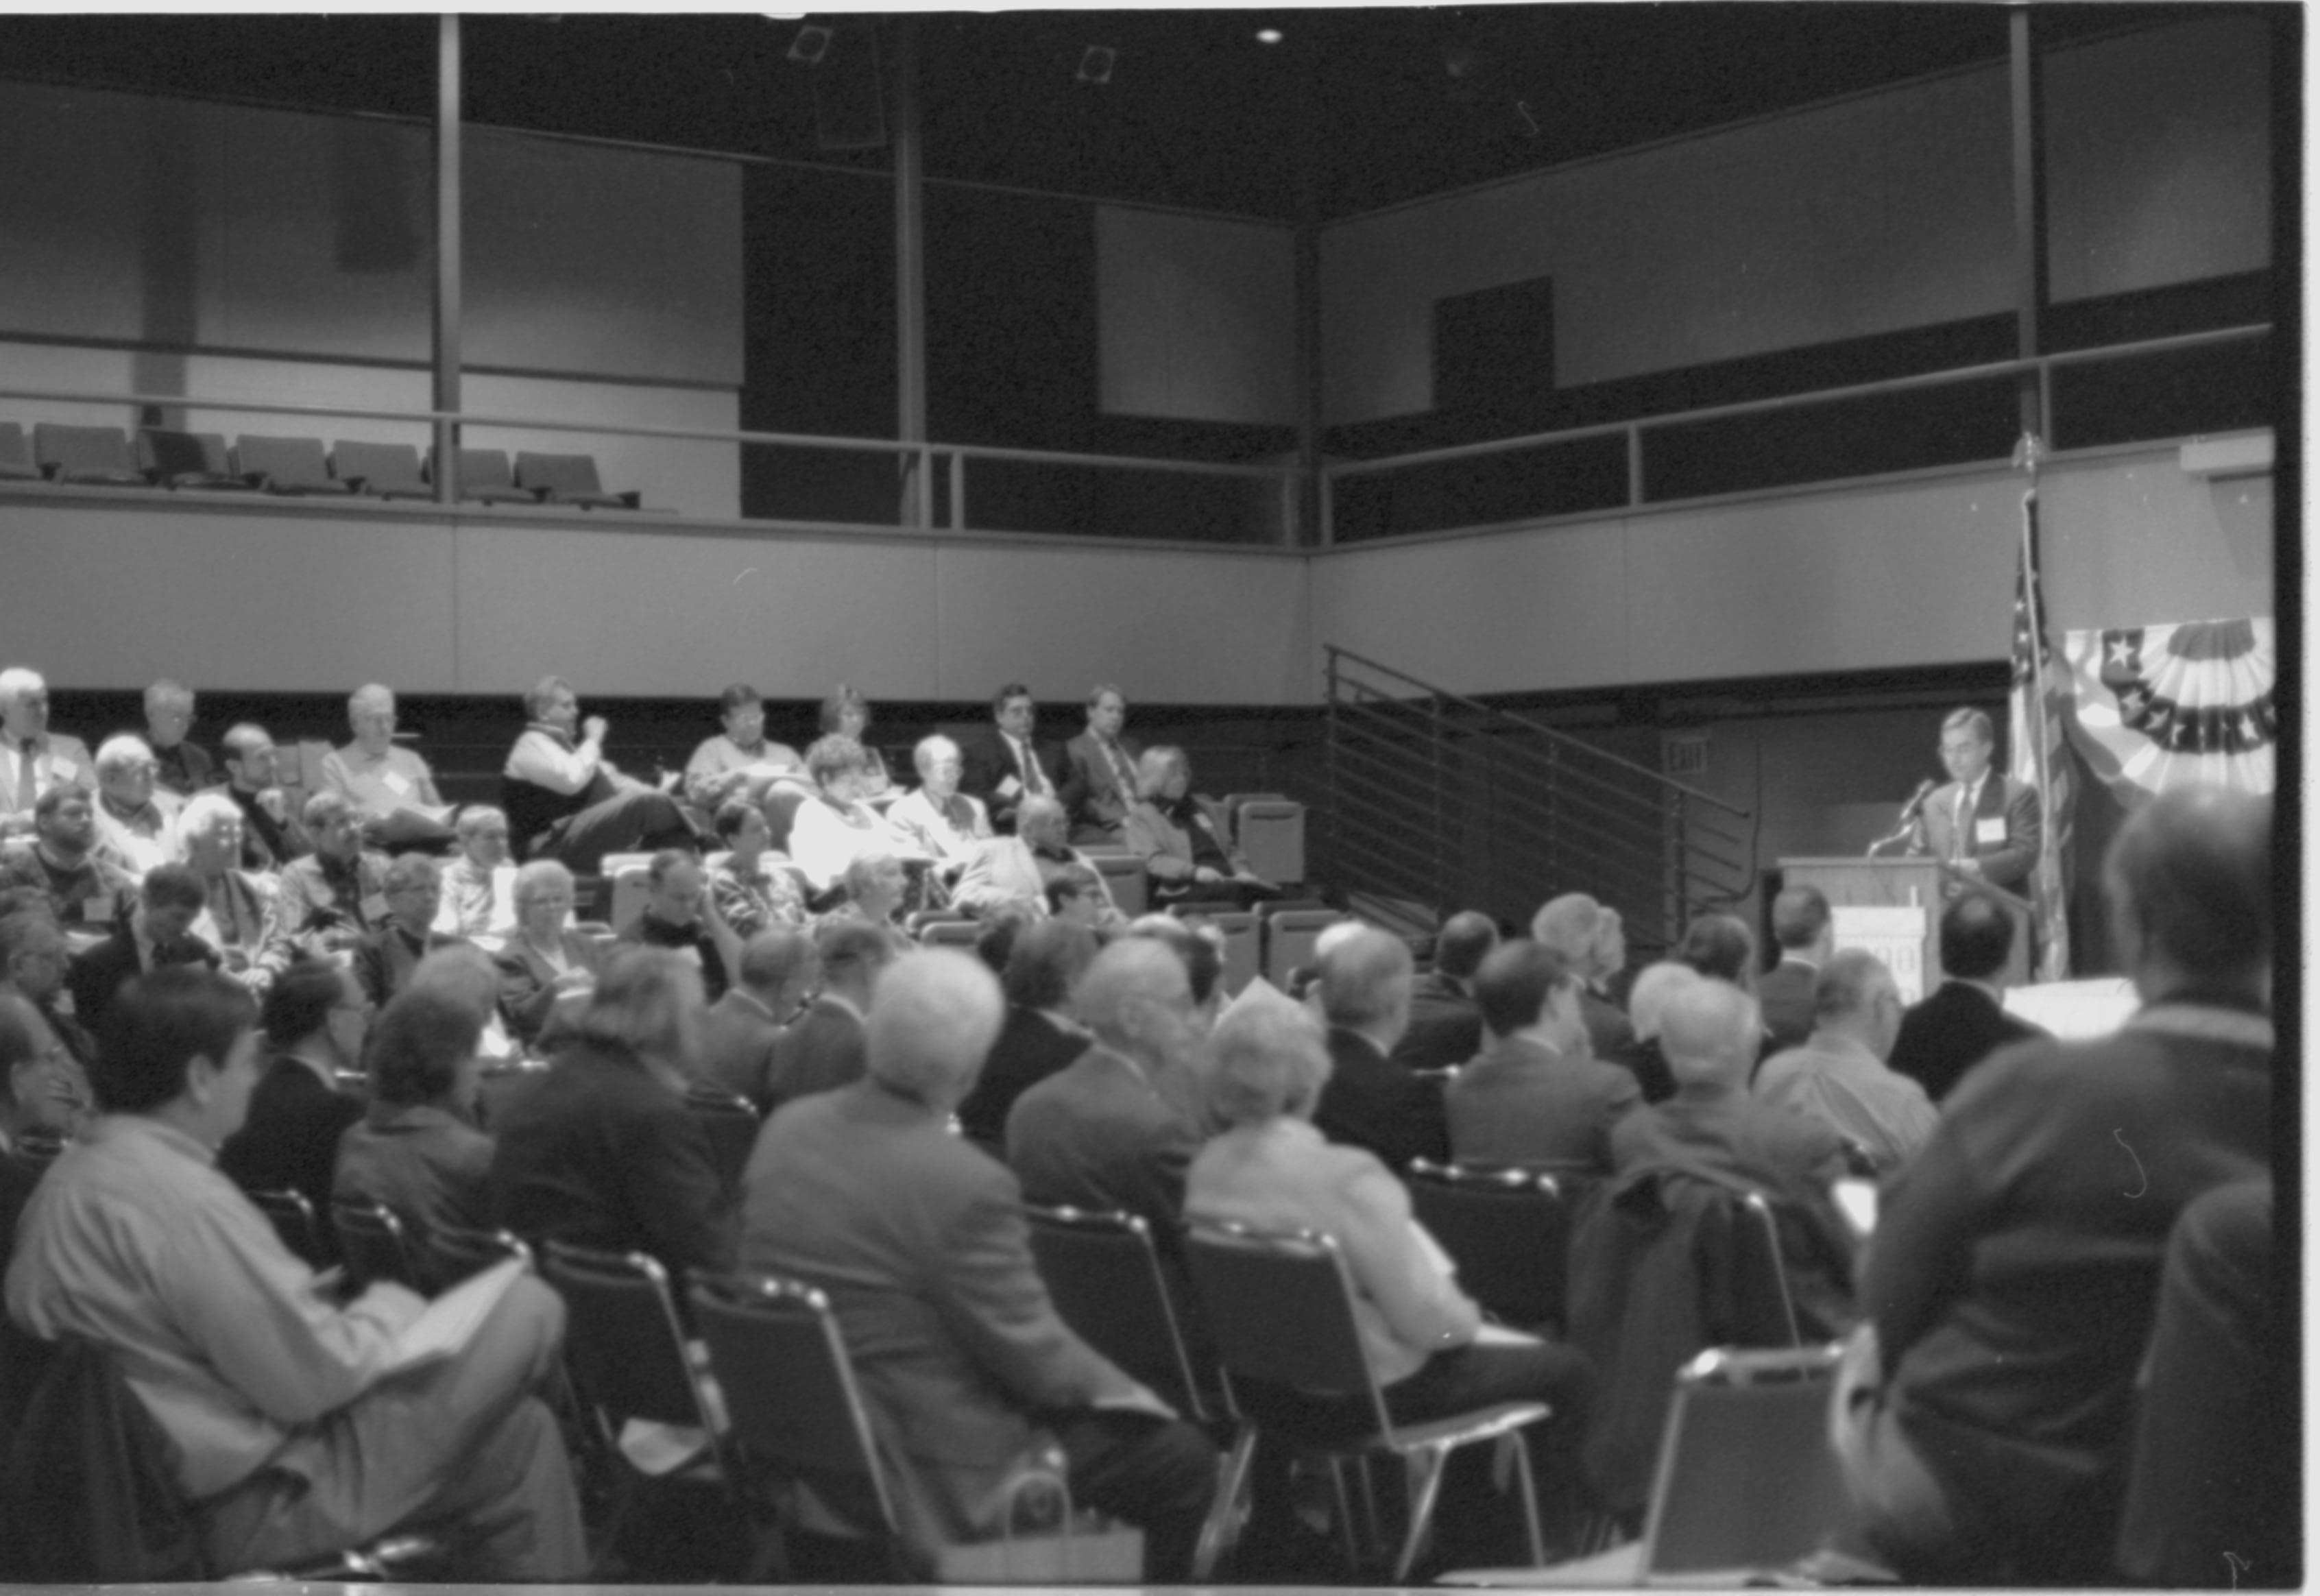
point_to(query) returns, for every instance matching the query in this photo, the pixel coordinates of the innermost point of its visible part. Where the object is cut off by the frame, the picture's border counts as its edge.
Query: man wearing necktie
(1006, 765)
(1099, 769)
(32, 758)
(1984, 824)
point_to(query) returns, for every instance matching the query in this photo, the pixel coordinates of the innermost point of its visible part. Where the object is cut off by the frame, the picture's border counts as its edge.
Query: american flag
(2036, 704)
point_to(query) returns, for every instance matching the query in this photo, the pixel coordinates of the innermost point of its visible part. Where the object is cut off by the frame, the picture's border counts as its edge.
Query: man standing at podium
(1984, 823)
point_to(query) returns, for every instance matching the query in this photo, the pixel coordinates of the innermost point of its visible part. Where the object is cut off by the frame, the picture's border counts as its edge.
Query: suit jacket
(528, 983)
(57, 752)
(385, 959)
(737, 1045)
(822, 1048)
(1031, 1046)
(1608, 1029)
(1091, 792)
(1785, 993)
(920, 1242)
(2005, 804)
(603, 1152)
(988, 759)
(1374, 1104)
(103, 970)
(1523, 1102)
(267, 843)
(185, 769)
(290, 1140)
(1099, 1135)
(1950, 1032)
(1445, 1027)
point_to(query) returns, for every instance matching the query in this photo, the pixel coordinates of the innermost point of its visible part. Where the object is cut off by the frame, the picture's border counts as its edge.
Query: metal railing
(1447, 802)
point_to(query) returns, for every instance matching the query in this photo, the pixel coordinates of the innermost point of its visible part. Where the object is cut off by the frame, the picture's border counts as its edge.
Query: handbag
(1060, 1546)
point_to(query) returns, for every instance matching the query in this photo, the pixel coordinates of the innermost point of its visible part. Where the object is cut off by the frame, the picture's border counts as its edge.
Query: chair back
(731, 1123)
(484, 468)
(294, 1220)
(85, 454)
(1290, 935)
(288, 464)
(622, 1339)
(1767, 1314)
(782, 801)
(456, 1252)
(16, 462)
(1240, 950)
(1280, 1307)
(1508, 1230)
(1746, 1478)
(374, 1244)
(632, 891)
(562, 479)
(1271, 835)
(381, 470)
(950, 933)
(788, 1384)
(185, 460)
(1123, 874)
(1103, 1272)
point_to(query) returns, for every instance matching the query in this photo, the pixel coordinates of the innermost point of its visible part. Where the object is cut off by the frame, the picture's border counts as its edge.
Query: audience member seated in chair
(1533, 1096)
(1372, 1103)
(778, 967)
(470, 977)
(1172, 833)
(920, 1241)
(1839, 1075)
(417, 1150)
(136, 821)
(235, 903)
(1101, 1133)
(1805, 931)
(384, 959)
(1042, 1033)
(684, 918)
(822, 1048)
(1721, 948)
(1445, 1023)
(271, 835)
(1005, 763)
(32, 758)
(314, 1020)
(547, 970)
(1019, 869)
(183, 767)
(327, 903)
(939, 820)
(85, 881)
(34, 959)
(877, 893)
(846, 713)
(475, 880)
(1099, 769)
(1592, 940)
(1642, 1056)
(391, 787)
(1272, 1170)
(741, 762)
(159, 932)
(620, 1083)
(565, 802)
(287, 1433)
(835, 827)
(1964, 1021)
(1986, 1408)
(752, 894)
(39, 1109)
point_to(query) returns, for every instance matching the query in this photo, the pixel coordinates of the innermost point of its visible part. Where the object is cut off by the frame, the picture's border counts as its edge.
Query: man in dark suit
(1801, 929)
(271, 835)
(1371, 1102)
(823, 1048)
(1533, 1096)
(314, 1018)
(1964, 1020)
(1446, 1025)
(738, 1033)
(1004, 763)
(1984, 823)
(1042, 1035)
(1099, 770)
(385, 956)
(1099, 1134)
(1592, 940)
(920, 1242)
(169, 901)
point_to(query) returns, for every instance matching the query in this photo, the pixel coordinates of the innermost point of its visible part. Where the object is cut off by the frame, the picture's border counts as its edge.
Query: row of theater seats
(161, 457)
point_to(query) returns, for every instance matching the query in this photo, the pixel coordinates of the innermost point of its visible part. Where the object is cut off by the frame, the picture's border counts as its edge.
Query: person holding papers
(303, 1427)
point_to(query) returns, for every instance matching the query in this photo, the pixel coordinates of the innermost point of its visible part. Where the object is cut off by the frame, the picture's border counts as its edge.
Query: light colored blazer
(61, 759)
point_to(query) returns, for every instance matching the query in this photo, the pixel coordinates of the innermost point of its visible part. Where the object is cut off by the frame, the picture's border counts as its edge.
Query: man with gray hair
(1371, 1102)
(566, 801)
(938, 820)
(1592, 940)
(184, 766)
(32, 758)
(1103, 1132)
(1839, 1075)
(327, 902)
(1018, 869)
(778, 966)
(920, 1242)
(135, 820)
(390, 786)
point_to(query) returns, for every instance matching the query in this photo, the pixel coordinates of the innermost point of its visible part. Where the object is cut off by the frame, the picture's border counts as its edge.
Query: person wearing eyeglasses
(390, 786)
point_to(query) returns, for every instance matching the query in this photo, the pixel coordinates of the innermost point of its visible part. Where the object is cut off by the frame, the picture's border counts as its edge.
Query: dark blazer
(1785, 993)
(290, 1140)
(822, 1048)
(527, 986)
(1374, 1104)
(1950, 1032)
(1523, 1102)
(603, 1152)
(919, 1239)
(1030, 1048)
(988, 759)
(1445, 1027)
(185, 769)
(1608, 1029)
(2006, 863)
(103, 970)
(737, 1045)
(267, 843)
(1091, 791)
(1099, 1135)
(385, 959)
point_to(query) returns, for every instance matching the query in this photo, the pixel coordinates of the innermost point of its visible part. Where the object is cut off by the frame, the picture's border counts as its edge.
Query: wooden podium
(1892, 908)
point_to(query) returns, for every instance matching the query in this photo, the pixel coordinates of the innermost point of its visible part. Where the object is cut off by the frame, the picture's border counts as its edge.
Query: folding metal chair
(731, 1122)
(372, 1241)
(294, 1222)
(1508, 1231)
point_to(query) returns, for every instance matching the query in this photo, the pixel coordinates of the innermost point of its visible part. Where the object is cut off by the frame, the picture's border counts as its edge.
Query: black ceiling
(1351, 110)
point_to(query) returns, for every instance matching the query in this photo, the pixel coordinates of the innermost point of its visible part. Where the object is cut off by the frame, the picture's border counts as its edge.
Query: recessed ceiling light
(1268, 35)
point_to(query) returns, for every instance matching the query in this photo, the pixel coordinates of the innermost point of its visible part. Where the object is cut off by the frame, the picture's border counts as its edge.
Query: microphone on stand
(1917, 801)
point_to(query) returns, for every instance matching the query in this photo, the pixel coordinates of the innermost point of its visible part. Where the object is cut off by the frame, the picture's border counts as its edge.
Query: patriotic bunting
(2159, 706)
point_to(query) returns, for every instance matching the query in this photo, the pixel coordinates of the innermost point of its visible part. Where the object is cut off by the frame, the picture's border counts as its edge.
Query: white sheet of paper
(452, 1320)
(1009, 788)
(397, 783)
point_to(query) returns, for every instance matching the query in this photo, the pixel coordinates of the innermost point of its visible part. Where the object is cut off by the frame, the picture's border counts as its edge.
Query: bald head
(1366, 986)
(2188, 880)
(1855, 995)
(933, 1018)
(1131, 992)
(1465, 941)
(1709, 1031)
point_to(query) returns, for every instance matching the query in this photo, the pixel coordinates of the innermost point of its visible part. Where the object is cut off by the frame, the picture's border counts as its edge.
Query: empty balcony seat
(16, 462)
(380, 470)
(568, 479)
(485, 479)
(97, 456)
(288, 465)
(187, 459)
